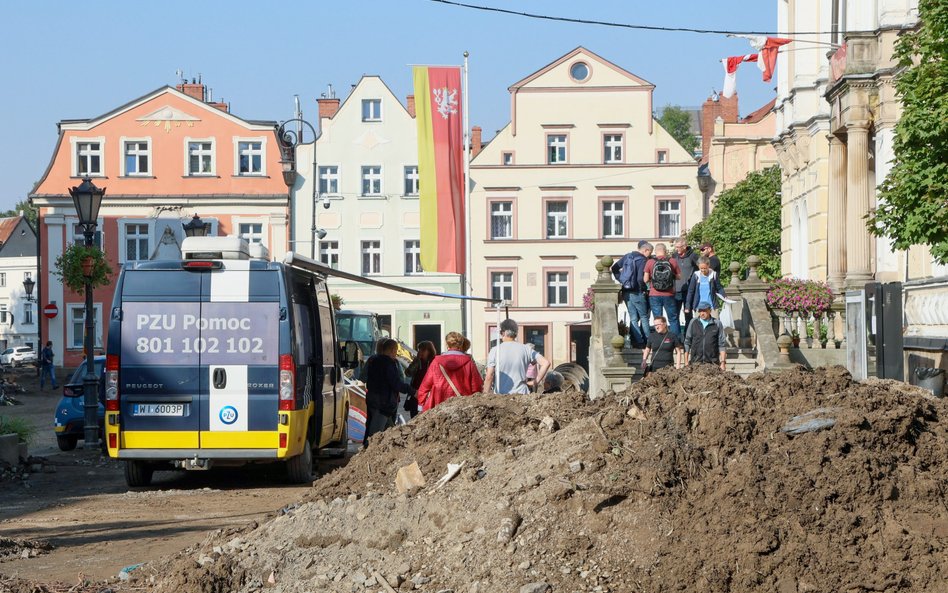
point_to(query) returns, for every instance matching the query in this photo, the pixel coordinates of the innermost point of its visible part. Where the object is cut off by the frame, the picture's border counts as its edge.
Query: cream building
(582, 170)
(366, 202)
(18, 323)
(836, 114)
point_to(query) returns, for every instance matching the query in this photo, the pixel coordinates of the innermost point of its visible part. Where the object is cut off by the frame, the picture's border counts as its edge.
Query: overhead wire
(581, 21)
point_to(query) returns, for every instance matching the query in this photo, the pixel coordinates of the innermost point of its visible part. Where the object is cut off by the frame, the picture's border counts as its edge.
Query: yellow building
(582, 170)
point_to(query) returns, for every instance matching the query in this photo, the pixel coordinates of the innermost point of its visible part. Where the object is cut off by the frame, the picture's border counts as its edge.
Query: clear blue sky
(67, 60)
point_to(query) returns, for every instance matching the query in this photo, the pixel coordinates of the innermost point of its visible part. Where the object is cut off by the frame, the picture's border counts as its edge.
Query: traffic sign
(50, 310)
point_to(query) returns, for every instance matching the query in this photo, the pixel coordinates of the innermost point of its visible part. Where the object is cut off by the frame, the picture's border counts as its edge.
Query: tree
(745, 221)
(912, 207)
(677, 122)
(29, 211)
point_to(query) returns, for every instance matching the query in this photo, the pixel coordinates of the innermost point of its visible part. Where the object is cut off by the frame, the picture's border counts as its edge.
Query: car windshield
(7, 351)
(80, 372)
(356, 328)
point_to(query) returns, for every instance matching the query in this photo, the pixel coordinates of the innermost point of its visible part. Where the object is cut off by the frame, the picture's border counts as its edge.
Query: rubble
(685, 482)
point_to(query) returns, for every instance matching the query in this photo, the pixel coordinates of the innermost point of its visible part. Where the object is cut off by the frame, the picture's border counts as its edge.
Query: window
(329, 180)
(371, 257)
(88, 158)
(501, 286)
(79, 238)
(136, 157)
(75, 325)
(201, 157)
(662, 156)
(371, 181)
(250, 157)
(27, 314)
(27, 275)
(251, 231)
(136, 242)
(329, 254)
(371, 110)
(557, 220)
(556, 148)
(579, 72)
(411, 180)
(413, 257)
(501, 220)
(669, 218)
(613, 219)
(3, 278)
(557, 289)
(612, 148)
(3, 314)
(507, 158)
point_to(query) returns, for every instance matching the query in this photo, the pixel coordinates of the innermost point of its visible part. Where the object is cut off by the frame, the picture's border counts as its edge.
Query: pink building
(162, 158)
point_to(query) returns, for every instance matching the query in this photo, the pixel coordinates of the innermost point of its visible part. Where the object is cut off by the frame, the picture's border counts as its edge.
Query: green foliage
(677, 122)
(337, 301)
(18, 426)
(68, 267)
(29, 211)
(912, 199)
(745, 221)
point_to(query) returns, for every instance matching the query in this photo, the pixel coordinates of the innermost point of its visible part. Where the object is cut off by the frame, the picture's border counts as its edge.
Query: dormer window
(371, 110)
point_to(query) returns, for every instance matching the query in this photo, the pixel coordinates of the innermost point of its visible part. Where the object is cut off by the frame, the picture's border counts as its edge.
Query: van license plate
(158, 410)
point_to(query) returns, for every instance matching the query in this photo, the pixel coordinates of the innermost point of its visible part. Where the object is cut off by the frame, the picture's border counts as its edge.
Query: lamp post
(289, 141)
(87, 198)
(196, 228)
(28, 285)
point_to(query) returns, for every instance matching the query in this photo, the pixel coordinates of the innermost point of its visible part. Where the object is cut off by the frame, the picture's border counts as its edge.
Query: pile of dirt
(22, 548)
(690, 481)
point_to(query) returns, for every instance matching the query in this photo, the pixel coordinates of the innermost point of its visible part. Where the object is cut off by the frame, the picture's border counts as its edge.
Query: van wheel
(299, 469)
(67, 442)
(138, 474)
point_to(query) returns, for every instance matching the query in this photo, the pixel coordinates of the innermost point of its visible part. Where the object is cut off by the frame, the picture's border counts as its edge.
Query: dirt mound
(693, 480)
(22, 548)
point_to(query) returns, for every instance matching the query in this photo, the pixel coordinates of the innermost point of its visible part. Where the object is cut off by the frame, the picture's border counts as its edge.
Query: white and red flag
(768, 55)
(730, 72)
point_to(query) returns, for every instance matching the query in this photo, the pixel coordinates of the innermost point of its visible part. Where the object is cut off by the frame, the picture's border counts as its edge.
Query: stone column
(858, 242)
(836, 231)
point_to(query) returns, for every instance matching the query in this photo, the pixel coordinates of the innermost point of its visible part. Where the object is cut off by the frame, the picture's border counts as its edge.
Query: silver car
(17, 356)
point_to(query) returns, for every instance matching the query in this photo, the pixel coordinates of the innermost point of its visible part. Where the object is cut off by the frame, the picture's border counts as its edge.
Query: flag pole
(466, 328)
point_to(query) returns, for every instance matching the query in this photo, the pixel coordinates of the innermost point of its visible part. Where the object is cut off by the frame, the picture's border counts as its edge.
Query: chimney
(192, 89)
(328, 107)
(410, 105)
(714, 107)
(476, 144)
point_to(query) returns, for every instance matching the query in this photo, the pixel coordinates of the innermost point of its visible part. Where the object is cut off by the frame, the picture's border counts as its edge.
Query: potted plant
(15, 436)
(337, 301)
(79, 264)
(588, 299)
(805, 297)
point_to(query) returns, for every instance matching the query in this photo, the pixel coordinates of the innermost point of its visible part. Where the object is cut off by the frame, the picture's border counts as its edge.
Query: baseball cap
(704, 306)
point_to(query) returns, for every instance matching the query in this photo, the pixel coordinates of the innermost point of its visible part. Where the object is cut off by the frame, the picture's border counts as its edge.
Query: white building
(367, 174)
(18, 323)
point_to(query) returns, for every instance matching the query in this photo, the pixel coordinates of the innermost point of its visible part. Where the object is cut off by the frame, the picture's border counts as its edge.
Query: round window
(579, 71)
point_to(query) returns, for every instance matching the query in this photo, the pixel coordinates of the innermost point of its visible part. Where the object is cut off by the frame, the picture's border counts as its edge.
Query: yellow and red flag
(440, 168)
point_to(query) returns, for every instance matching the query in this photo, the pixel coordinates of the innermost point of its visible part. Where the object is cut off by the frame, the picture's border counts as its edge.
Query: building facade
(365, 206)
(162, 158)
(18, 314)
(581, 171)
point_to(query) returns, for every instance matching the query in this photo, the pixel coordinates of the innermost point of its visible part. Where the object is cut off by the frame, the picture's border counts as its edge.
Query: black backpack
(663, 276)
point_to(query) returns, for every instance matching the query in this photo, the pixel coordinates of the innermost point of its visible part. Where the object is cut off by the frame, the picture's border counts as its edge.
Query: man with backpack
(687, 261)
(661, 273)
(629, 272)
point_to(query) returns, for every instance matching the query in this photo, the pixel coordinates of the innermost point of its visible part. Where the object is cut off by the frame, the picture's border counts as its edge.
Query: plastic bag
(725, 316)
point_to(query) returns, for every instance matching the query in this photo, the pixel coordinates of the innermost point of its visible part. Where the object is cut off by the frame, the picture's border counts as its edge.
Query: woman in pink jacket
(449, 374)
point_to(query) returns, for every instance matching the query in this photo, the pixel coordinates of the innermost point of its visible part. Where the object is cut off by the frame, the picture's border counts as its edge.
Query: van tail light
(111, 383)
(113, 440)
(287, 382)
(283, 440)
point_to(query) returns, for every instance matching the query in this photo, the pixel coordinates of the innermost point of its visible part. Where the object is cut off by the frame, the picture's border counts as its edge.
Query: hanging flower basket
(79, 264)
(588, 302)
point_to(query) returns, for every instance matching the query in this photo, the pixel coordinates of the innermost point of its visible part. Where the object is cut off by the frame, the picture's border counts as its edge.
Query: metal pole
(466, 277)
(499, 340)
(90, 381)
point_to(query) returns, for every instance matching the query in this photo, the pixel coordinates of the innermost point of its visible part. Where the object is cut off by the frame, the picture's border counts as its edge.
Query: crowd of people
(668, 288)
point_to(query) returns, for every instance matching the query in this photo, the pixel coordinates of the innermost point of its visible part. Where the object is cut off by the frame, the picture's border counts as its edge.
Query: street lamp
(289, 141)
(28, 285)
(87, 198)
(196, 228)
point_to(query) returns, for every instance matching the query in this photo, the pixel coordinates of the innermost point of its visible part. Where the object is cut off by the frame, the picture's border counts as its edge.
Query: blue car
(70, 415)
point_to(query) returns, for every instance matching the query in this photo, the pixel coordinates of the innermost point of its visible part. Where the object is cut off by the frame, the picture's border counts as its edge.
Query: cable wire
(633, 26)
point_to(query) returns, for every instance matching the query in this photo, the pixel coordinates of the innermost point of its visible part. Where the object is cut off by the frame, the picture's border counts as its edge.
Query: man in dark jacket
(687, 261)
(383, 383)
(704, 340)
(629, 272)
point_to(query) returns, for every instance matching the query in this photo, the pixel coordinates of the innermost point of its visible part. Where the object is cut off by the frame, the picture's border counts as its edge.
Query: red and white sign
(50, 311)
